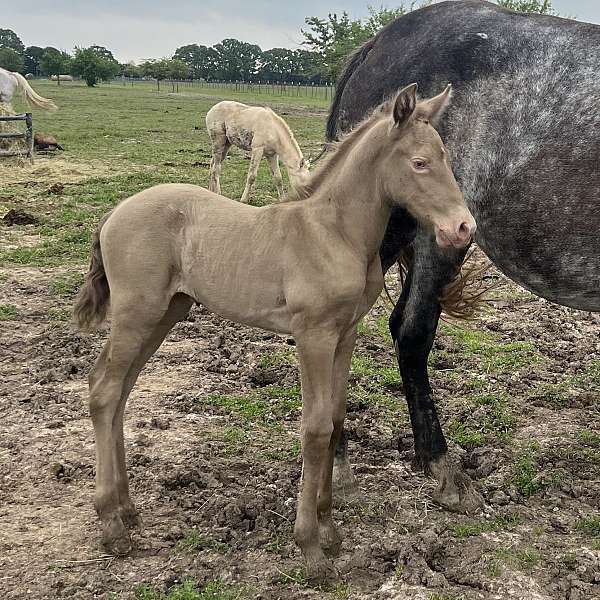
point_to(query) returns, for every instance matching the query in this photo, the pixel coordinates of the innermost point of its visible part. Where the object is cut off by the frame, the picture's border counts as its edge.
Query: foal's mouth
(445, 241)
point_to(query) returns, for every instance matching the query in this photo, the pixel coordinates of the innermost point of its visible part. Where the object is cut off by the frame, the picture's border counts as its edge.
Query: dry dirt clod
(17, 216)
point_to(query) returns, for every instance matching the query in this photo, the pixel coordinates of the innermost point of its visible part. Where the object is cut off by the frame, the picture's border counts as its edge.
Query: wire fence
(283, 89)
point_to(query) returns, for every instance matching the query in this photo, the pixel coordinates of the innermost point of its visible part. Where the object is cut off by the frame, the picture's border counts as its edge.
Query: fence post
(29, 137)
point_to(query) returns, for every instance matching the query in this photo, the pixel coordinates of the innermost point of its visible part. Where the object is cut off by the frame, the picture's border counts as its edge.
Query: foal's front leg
(276, 172)
(316, 353)
(329, 537)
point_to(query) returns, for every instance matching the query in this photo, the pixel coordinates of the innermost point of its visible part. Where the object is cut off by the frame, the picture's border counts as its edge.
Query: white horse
(11, 82)
(260, 131)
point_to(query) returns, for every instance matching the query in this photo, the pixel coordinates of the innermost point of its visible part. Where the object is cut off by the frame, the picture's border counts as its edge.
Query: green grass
(8, 312)
(590, 526)
(475, 528)
(194, 542)
(524, 559)
(67, 285)
(487, 418)
(269, 360)
(136, 138)
(591, 438)
(493, 355)
(215, 590)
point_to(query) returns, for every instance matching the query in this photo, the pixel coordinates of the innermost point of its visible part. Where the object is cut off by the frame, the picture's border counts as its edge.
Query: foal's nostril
(464, 231)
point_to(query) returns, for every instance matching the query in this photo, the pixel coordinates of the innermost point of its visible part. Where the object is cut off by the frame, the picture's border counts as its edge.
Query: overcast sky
(138, 29)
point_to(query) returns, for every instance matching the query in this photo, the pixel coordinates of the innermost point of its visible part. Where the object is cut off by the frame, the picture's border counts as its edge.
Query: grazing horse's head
(300, 174)
(417, 173)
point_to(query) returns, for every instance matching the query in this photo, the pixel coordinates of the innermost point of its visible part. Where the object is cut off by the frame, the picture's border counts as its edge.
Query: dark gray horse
(524, 134)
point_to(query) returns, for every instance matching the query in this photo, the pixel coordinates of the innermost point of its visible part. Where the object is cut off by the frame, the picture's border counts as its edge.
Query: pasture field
(212, 425)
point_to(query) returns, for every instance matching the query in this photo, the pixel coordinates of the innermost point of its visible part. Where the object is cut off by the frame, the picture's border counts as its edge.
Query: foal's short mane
(338, 151)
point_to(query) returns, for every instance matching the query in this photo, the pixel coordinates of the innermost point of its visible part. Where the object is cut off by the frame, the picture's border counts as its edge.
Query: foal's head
(416, 168)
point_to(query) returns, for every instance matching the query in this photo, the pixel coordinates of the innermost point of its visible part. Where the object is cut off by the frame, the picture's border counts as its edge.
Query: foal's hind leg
(137, 330)
(178, 309)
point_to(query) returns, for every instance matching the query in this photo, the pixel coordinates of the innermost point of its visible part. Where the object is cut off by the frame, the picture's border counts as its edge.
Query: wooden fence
(27, 135)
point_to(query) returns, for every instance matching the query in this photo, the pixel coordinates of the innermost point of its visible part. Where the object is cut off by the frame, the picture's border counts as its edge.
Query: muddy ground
(216, 484)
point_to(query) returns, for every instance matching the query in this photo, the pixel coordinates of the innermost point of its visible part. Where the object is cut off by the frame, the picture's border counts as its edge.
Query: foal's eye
(419, 164)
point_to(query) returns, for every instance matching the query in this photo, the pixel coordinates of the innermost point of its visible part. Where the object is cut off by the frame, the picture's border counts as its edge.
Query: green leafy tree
(32, 57)
(236, 60)
(9, 39)
(277, 64)
(164, 68)
(103, 52)
(200, 60)
(55, 62)
(130, 70)
(11, 60)
(529, 6)
(93, 66)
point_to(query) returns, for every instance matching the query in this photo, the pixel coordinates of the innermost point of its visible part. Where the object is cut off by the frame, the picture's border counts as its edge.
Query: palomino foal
(260, 131)
(314, 271)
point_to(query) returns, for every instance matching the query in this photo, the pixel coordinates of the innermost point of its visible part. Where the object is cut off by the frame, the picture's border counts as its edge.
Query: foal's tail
(32, 96)
(91, 304)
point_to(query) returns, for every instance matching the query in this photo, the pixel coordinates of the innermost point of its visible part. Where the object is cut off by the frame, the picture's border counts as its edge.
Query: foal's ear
(434, 108)
(405, 104)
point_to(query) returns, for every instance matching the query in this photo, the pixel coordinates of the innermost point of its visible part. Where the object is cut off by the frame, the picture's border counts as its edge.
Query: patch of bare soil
(219, 506)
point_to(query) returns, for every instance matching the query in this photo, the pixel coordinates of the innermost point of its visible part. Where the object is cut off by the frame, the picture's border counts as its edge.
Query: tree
(131, 70)
(32, 57)
(529, 6)
(10, 60)
(277, 64)
(164, 68)
(236, 60)
(9, 39)
(201, 60)
(93, 66)
(103, 52)
(54, 62)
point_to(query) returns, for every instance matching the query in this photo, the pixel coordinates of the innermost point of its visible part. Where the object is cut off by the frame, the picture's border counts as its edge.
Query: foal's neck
(287, 147)
(353, 192)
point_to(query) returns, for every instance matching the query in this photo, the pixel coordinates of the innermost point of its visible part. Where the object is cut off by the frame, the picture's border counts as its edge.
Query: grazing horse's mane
(286, 128)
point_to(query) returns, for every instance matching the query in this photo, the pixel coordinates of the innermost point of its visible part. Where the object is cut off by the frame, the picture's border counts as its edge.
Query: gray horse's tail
(91, 304)
(353, 61)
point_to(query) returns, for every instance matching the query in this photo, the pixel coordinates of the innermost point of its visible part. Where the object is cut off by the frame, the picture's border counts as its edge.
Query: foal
(313, 272)
(260, 131)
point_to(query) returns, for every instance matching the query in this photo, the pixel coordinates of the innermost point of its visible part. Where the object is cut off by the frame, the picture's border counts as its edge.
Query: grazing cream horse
(11, 82)
(309, 268)
(261, 131)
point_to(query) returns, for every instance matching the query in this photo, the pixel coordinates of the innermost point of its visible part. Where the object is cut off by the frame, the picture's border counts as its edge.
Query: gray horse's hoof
(131, 518)
(455, 491)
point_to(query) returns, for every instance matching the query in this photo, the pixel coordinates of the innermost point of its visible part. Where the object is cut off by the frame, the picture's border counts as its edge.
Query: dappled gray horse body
(523, 132)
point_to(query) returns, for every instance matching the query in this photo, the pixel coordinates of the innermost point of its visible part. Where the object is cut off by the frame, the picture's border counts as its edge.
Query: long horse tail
(91, 304)
(354, 60)
(32, 96)
(465, 296)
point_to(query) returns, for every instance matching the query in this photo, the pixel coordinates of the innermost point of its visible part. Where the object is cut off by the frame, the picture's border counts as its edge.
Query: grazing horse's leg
(255, 159)
(316, 354)
(330, 539)
(178, 309)
(221, 146)
(276, 172)
(136, 330)
(413, 325)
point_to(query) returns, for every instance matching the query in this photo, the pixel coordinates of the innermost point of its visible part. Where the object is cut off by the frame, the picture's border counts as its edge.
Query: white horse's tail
(32, 96)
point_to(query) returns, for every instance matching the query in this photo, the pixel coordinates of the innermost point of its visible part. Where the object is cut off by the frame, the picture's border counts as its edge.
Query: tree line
(326, 43)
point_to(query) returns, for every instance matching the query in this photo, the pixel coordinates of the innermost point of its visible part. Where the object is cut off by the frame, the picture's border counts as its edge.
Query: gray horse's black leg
(413, 324)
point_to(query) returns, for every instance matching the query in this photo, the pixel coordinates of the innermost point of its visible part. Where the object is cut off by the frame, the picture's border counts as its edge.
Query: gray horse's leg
(257, 154)
(413, 325)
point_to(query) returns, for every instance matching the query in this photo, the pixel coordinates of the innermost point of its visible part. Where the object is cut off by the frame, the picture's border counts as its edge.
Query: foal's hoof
(321, 572)
(115, 538)
(329, 540)
(455, 491)
(344, 484)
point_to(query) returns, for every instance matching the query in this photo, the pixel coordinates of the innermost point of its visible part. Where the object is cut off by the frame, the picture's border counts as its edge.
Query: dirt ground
(186, 475)
(213, 451)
